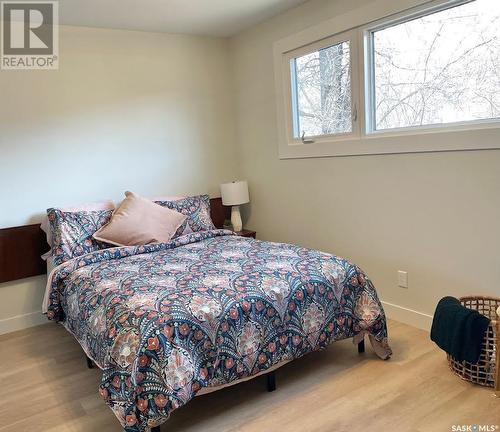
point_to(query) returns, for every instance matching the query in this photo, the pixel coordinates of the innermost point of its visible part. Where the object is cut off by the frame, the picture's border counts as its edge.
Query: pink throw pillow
(139, 221)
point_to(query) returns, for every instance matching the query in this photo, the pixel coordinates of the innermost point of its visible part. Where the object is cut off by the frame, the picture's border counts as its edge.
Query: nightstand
(246, 233)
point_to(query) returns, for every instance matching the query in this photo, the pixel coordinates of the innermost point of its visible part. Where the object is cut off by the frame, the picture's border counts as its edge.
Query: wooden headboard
(21, 247)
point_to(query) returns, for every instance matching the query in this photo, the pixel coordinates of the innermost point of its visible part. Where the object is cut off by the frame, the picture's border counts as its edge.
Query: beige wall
(143, 111)
(434, 215)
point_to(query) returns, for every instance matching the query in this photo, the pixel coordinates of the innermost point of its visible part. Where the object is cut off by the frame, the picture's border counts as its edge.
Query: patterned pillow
(72, 232)
(197, 210)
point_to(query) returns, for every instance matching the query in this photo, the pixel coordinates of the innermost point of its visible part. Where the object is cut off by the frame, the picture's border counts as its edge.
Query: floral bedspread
(163, 321)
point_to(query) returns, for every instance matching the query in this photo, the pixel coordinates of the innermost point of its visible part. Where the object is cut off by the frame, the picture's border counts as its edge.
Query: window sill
(484, 137)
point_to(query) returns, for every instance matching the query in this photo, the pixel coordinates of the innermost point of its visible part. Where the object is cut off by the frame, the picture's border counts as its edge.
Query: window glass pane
(441, 68)
(321, 91)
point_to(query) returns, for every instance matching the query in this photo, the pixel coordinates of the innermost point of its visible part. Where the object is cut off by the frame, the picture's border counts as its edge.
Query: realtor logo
(29, 35)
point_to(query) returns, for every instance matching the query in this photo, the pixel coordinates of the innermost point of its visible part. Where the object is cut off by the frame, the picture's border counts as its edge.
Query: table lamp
(235, 194)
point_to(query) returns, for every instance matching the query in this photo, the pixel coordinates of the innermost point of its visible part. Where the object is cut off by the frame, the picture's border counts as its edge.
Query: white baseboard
(408, 316)
(20, 322)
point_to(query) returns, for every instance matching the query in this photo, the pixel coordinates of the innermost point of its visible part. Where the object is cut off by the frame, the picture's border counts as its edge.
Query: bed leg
(90, 363)
(271, 381)
(361, 346)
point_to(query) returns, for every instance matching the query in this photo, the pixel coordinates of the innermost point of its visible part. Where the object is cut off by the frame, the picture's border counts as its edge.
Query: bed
(166, 322)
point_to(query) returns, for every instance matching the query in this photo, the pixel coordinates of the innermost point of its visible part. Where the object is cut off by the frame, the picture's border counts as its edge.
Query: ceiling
(199, 17)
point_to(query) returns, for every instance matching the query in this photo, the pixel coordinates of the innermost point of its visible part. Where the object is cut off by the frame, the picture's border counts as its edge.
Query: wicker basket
(487, 371)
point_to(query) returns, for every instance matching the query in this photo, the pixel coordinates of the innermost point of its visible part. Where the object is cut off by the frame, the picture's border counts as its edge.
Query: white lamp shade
(235, 193)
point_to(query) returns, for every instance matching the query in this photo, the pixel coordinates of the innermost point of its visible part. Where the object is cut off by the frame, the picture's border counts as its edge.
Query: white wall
(142, 111)
(435, 215)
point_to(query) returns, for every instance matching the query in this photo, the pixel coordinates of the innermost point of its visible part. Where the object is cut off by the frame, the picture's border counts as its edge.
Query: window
(440, 68)
(430, 69)
(321, 91)
(321, 96)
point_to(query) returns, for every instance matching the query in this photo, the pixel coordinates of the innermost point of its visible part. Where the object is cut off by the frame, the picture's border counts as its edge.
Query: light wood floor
(45, 386)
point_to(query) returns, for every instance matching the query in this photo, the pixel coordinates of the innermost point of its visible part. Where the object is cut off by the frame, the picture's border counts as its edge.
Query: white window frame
(352, 38)
(358, 24)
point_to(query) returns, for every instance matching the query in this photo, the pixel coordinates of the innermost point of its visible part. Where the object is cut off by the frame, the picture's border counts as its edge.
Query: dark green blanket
(458, 331)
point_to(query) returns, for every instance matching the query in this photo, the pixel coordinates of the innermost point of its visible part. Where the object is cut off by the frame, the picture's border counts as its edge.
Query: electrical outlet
(403, 279)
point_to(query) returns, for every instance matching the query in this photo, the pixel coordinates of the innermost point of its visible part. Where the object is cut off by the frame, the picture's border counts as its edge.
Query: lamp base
(236, 218)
